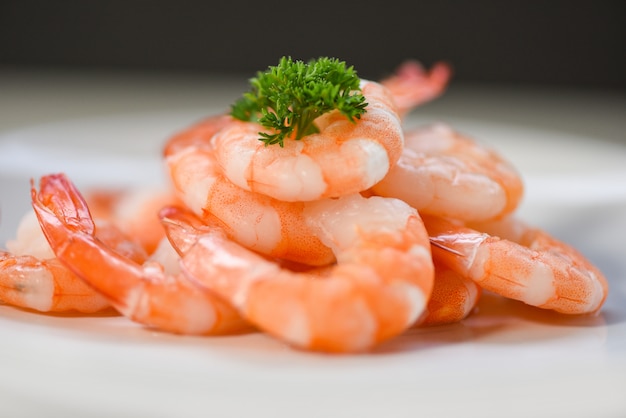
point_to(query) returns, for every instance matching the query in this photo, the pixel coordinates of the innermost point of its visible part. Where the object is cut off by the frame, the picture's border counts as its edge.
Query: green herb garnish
(287, 98)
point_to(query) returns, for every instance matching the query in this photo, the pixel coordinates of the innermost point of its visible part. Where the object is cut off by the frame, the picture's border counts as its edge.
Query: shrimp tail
(67, 208)
(183, 228)
(412, 85)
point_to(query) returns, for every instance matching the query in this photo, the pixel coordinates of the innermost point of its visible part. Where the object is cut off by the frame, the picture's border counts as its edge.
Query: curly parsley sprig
(287, 98)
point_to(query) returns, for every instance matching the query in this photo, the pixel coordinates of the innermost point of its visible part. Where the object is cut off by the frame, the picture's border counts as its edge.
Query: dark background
(557, 43)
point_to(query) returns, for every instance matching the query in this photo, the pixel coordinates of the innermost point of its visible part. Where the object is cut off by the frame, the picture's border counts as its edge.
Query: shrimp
(377, 289)
(261, 223)
(442, 172)
(527, 264)
(145, 293)
(32, 277)
(453, 297)
(343, 157)
(411, 85)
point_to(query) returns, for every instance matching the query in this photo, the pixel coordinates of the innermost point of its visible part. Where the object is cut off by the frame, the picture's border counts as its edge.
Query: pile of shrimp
(334, 243)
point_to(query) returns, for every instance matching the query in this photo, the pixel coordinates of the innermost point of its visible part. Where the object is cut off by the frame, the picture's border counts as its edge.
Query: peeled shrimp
(378, 288)
(261, 223)
(526, 264)
(343, 157)
(146, 293)
(32, 277)
(445, 173)
(411, 85)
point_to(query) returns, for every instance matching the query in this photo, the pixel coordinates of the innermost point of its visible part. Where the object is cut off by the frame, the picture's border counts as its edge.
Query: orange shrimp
(527, 264)
(444, 173)
(378, 288)
(343, 157)
(144, 293)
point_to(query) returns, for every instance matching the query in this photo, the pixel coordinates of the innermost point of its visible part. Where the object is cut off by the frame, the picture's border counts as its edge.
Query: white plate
(505, 360)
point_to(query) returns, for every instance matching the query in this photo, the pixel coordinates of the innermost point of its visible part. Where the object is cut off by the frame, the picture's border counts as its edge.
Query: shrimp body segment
(454, 297)
(532, 267)
(378, 287)
(343, 157)
(259, 222)
(45, 286)
(444, 173)
(145, 293)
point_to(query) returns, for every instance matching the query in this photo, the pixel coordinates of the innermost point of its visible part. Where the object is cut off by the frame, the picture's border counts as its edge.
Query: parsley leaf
(287, 98)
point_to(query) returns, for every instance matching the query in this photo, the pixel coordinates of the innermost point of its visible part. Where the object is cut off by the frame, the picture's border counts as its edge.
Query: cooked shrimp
(445, 173)
(530, 266)
(411, 85)
(32, 277)
(144, 293)
(343, 157)
(453, 298)
(266, 225)
(379, 286)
